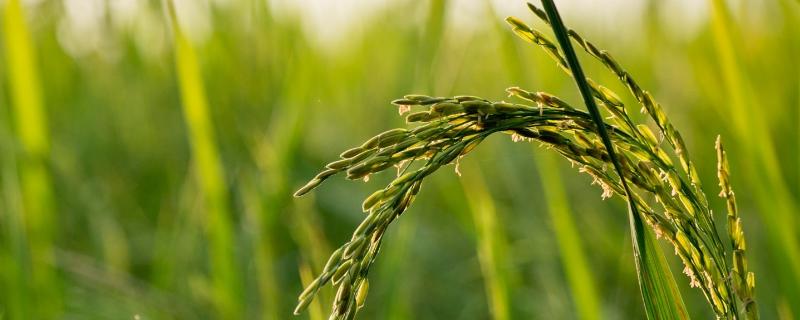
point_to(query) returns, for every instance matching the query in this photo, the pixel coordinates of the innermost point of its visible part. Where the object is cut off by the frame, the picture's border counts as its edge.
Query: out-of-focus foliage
(127, 229)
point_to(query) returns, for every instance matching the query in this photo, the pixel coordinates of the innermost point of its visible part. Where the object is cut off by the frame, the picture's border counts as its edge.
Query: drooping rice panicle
(450, 127)
(453, 126)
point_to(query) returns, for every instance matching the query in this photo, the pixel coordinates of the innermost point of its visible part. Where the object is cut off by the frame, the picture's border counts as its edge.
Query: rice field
(151, 151)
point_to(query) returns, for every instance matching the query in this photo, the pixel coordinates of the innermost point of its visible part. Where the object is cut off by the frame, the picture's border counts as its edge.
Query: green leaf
(662, 300)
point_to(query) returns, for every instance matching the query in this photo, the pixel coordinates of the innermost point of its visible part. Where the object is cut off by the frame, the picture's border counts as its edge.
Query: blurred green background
(147, 170)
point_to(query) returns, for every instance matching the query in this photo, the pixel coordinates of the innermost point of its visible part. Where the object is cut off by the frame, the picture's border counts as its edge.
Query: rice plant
(613, 152)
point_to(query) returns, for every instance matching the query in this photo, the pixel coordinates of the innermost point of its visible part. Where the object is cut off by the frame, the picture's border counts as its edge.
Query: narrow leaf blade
(662, 300)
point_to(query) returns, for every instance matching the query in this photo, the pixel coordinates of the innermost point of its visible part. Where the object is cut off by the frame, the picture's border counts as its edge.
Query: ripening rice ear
(449, 128)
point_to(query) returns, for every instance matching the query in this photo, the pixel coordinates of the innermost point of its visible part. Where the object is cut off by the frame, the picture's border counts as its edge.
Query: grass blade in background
(310, 238)
(263, 258)
(400, 306)
(14, 304)
(30, 121)
(580, 279)
(662, 299)
(491, 242)
(773, 196)
(315, 309)
(210, 174)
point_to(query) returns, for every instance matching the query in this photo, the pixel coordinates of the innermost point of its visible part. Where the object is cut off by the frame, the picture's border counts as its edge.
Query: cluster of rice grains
(449, 128)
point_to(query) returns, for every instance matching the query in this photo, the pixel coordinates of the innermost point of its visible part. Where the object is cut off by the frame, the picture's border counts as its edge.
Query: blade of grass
(262, 251)
(573, 259)
(309, 236)
(306, 276)
(209, 173)
(773, 196)
(32, 133)
(661, 297)
(491, 243)
(791, 14)
(12, 236)
(398, 292)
